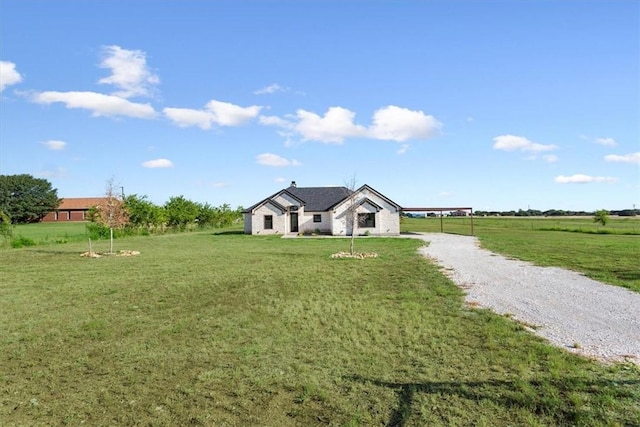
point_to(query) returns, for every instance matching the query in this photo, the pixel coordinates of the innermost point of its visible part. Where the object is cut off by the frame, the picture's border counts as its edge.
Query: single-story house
(73, 209)
(324, 210)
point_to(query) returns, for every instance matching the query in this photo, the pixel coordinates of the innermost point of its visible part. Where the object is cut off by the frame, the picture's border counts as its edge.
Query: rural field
(609, 254)
(218, 328)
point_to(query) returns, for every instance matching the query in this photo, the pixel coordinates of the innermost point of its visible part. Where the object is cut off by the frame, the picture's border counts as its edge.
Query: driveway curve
(570, 310)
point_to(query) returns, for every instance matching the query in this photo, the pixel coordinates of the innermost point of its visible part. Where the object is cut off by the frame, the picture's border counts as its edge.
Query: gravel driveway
(570, 310)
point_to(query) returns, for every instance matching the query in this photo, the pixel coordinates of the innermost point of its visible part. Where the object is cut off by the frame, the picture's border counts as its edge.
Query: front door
(294, 222)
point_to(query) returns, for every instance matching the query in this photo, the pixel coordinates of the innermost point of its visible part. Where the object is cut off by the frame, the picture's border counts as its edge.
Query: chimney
(293, 184)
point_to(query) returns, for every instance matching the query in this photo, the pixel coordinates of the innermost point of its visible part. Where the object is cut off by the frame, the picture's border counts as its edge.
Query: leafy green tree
(230, 216)
(601, 216)
(218, 217)
(207, 215)
(27, 199)
(181, 212)
(158, 217)
(144, 213)
(6, 228)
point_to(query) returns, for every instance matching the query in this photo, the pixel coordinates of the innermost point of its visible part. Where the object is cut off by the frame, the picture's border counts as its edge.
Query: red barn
(73, 209)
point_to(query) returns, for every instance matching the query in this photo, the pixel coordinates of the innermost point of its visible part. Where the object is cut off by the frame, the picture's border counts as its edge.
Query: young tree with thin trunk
(351, 213)
(112, 212)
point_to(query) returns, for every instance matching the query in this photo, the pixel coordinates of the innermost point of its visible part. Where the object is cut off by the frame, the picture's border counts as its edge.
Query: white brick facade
(286, 212)
(387, 215)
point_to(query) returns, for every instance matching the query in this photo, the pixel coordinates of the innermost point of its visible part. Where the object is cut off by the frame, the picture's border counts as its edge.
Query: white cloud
(583, 179)
(275, 121)
(336, 125)
(215, 112)
(389, 123)
(185, 117)
(269, 159)
(627, 158)
(98, 103)
(158, 163)
(55, 173)
(219, 185)
(55, 145)
(129, 72)
(610, 142)
(403, 149)
(401, 124)
(280, 179)
(226, 114)
(287, 127)
(8, 75)
(272, 88)
(513, 143)
(550, 158)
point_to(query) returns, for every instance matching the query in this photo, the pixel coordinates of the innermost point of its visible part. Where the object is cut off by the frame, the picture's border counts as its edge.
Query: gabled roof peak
(320, 199)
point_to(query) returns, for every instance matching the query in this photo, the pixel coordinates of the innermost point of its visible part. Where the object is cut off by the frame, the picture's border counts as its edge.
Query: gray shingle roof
(319, 199)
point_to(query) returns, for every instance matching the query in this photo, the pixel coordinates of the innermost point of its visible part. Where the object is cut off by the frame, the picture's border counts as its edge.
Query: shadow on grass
(627, 275)
(613, 231)
(227, 232)
(55, 251)
(527, 394)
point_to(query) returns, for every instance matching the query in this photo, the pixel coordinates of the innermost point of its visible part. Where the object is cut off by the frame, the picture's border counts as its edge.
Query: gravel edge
(573, 312)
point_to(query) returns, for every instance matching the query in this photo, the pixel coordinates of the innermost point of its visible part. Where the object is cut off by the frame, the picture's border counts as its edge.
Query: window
(367, 220)
(317, 218)
(268, 222)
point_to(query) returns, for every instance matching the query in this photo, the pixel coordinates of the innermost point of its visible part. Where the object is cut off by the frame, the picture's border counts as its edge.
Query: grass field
(611, 258)
(52, 232)
(462, 225)
(609, 254)
(227, 329)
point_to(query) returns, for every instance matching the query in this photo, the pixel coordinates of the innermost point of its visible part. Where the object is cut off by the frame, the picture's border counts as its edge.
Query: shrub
(22, 241)
(6, 228)
(601, 216)
(97, 231)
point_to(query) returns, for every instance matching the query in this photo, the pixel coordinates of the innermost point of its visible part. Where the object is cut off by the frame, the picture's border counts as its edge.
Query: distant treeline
(555, 212)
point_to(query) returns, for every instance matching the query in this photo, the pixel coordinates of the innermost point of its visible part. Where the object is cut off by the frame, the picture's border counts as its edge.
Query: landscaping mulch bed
(91, 254)
(358, 255)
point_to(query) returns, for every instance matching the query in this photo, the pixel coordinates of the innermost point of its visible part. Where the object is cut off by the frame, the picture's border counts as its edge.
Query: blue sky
(496, 105)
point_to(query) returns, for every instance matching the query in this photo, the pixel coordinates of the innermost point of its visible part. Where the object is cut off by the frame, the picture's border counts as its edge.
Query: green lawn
(610, 258)
(462, 225)
(228, 329)
(52, 232)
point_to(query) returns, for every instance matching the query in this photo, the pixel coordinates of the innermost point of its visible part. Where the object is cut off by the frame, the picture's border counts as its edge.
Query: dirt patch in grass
(357, 255)
(91, 254)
